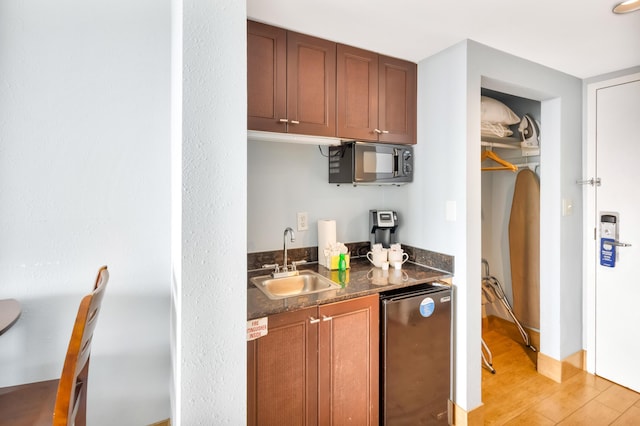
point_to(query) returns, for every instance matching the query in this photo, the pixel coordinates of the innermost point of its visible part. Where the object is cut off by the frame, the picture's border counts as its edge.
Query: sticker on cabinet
(257, 328)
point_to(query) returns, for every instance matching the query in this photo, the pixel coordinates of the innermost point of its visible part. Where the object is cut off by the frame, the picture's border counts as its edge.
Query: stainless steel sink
(307, 282)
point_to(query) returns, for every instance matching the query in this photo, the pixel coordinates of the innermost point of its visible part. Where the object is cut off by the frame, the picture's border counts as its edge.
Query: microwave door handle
(396, 166)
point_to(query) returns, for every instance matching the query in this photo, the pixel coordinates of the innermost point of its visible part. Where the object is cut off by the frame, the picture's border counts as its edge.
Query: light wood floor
(518, 395)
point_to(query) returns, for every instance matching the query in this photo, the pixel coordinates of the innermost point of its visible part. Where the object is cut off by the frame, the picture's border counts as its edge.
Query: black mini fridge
(415, 356)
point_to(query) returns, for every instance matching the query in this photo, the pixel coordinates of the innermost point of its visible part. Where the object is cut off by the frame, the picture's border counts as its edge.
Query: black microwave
(362, 163)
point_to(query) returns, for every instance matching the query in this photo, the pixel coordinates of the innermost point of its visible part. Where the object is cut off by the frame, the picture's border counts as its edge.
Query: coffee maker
(382, 227)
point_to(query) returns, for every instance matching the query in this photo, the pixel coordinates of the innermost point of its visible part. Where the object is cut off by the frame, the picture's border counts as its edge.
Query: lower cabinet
(316, 366)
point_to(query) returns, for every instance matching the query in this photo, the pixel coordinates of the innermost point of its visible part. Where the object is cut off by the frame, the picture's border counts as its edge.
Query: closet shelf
(509, 143)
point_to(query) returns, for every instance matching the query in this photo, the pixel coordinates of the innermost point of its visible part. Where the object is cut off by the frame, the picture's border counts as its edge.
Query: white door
(617, 292)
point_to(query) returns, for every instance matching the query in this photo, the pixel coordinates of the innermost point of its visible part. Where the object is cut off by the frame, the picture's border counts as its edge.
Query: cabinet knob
(283, 120)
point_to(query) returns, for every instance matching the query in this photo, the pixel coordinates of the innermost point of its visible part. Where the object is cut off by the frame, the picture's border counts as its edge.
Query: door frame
(590, 254)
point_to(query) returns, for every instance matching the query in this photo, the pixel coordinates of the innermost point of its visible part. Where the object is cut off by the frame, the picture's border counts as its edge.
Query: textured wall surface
(212, 325)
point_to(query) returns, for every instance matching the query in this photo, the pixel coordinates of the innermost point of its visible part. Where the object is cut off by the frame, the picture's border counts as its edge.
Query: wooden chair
(59, 402)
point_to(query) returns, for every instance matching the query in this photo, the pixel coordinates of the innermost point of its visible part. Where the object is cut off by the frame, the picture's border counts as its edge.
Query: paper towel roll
(326, 236)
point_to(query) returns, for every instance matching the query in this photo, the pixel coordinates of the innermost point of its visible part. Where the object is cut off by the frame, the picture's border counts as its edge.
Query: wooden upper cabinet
(302, 84)
(397, 100)
(376, 97)
(266, 77)
(291, 81)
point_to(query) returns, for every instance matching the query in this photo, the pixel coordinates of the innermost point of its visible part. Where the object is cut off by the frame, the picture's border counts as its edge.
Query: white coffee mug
(377, 257)
(397, 256)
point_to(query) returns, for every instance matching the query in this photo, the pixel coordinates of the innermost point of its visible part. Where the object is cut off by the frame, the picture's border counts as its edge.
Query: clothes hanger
(504, 165)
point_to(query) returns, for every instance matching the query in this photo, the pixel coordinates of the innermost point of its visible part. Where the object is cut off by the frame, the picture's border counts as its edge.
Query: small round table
(9, 313)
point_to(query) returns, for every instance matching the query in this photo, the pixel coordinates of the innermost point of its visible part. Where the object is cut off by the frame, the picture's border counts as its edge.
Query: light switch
(567, 207)
(451, 213)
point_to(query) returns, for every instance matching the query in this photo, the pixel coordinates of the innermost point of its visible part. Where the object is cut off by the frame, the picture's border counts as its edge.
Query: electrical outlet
(303, 221)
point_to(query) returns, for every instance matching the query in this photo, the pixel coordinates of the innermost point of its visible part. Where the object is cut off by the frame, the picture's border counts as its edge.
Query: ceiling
(582, 38)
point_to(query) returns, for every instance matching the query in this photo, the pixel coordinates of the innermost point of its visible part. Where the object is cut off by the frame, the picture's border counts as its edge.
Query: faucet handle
(273, 266)
(297, 262)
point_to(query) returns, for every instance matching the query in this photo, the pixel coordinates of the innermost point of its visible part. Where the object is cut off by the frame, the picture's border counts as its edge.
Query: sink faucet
(293, 238)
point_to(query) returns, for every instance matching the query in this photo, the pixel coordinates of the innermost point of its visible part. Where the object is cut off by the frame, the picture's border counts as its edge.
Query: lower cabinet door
(282, 371)
(316, 366)
(348, 362)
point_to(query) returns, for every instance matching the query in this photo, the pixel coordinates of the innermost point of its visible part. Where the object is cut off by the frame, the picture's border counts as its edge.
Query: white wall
(211, 289)
(441, 181)
(287, 178)
(84, 181)
(449, 86)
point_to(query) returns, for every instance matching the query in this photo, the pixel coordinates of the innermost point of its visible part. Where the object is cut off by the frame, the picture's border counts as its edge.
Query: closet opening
(510, 218)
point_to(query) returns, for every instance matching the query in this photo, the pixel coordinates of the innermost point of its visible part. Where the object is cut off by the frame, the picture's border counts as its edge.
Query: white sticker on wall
(427, 306)
(257, 328)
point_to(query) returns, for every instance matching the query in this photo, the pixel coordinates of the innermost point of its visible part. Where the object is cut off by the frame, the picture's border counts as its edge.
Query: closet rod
(532, 164)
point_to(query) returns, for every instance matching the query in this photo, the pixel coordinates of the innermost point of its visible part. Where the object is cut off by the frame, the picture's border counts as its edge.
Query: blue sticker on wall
(427, 307)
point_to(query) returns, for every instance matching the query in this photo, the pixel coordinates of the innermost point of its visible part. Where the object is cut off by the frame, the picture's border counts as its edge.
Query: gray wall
(287, 178)
(84, 143)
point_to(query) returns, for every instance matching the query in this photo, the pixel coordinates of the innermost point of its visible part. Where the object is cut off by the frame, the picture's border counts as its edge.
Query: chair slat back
(71, 399)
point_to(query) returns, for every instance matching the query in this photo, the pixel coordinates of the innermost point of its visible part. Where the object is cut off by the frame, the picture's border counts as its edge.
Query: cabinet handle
(295, 122)
(378, 131)
(283, 120)
(385, 132)
(313, 320)
(326, 318)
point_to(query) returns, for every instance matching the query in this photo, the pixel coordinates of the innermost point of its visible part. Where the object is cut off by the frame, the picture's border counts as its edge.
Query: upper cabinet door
(397, 100)
(357, 93)
(311, 85)
(266, 77)
(376, 97)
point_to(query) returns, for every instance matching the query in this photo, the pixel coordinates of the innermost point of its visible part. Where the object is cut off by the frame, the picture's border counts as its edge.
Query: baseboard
(462, 417)
(559, 371)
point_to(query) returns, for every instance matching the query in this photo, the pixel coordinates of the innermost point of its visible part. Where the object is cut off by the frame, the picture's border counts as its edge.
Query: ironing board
(524, 248)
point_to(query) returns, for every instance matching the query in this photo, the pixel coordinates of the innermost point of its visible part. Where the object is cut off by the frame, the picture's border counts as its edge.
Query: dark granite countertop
(361, 279)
